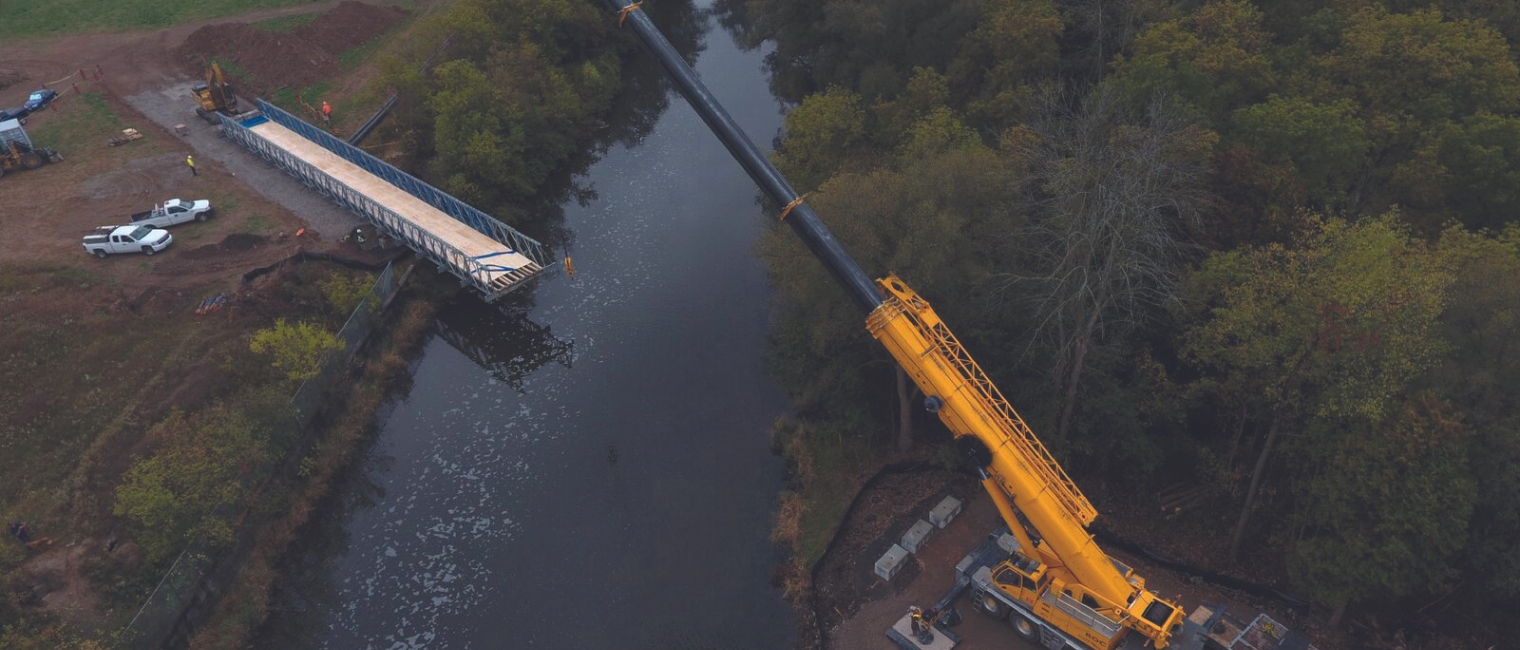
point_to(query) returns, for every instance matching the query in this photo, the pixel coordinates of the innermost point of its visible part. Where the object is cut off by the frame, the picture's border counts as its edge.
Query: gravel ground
(174, 105)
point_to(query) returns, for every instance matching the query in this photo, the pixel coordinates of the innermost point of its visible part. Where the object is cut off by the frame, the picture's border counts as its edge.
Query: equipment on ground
(18, 152)
(1048, 577)
(127, 135)
(215, 96)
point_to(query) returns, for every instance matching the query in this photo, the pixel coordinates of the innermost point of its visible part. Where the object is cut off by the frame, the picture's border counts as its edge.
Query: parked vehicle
(17, 150)
(39, 99)
(108, 240)
(173, 212)
(17, 113)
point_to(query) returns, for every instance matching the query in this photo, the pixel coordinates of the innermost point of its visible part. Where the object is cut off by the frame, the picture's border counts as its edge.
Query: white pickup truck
(106, 240)
(173, 212)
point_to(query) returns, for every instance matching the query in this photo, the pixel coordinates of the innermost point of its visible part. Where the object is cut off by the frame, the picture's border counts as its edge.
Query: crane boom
(1084, 592)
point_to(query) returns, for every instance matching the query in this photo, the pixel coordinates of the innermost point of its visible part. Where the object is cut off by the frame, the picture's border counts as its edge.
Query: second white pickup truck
(173, 212)
(106, 240)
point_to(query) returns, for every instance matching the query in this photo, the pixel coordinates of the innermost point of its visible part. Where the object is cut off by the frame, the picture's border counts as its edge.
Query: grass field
(80, 123)
(24, 18)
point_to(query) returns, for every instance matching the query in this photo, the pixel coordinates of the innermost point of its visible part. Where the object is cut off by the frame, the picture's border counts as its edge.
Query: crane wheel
(1025, 628)
(990, 605)
(30, 160)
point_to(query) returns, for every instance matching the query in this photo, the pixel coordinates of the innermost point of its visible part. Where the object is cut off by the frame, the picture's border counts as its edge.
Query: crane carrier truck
(1049, 577)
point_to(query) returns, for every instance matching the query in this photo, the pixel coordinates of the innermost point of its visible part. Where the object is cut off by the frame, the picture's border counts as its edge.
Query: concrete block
(943, 513)
(1008, 543)
(891, 562)
(916, 536)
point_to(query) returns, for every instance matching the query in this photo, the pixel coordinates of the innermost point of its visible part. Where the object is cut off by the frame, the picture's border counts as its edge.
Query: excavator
(1047, 576)
(215, 96)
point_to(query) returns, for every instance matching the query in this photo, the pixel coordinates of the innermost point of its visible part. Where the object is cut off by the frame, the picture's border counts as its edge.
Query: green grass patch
(232, 69)
(85, 121)
(826, 469)
(286, 98)
(259, 224)
(352, 58)
(25, 18)
(285, 23)
(73, 277)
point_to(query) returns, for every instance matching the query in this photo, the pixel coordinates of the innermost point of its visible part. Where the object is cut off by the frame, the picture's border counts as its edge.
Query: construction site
(227, 175)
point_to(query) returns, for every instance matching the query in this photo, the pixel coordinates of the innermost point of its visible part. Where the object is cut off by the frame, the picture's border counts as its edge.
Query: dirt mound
(243, 241)
(233, 243)
(10, 78)
(300, 57)
(272, 60)
(349, 25)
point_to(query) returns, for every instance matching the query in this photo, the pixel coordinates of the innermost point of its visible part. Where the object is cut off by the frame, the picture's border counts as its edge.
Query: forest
(1266, 248)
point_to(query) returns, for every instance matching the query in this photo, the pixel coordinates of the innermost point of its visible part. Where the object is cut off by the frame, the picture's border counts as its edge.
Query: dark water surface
(588, 466)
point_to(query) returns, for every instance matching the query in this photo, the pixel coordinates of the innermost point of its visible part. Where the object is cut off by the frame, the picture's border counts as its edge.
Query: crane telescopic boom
(1073, 584)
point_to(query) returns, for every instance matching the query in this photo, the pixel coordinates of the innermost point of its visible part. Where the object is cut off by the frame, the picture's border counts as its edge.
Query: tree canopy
(1294, 224)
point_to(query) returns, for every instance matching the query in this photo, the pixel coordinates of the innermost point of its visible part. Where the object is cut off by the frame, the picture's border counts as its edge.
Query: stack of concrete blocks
(913, 540)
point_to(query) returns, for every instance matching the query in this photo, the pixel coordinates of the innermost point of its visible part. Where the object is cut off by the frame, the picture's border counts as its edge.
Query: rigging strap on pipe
(788, 209)
(627, 10)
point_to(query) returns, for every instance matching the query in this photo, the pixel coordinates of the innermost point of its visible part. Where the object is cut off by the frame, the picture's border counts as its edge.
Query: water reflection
(644, 98)
(501, 338)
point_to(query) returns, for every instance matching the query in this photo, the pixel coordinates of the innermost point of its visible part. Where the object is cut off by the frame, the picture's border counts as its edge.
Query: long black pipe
(801, 218)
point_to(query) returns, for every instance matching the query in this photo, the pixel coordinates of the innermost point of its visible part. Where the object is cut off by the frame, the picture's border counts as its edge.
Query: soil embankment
(299, 57)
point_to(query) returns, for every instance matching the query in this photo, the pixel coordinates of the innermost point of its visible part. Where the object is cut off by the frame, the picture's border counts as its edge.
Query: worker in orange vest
(326, 112)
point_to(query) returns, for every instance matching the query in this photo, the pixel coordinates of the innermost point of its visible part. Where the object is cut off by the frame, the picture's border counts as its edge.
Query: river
(587, 465)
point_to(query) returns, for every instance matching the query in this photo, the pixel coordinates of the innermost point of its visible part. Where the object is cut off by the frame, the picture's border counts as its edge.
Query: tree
(1214, 60)
(297, 349)
(1324, 144)
(821, 134)
(185, 490)
(344, 292)
(31, 636)
(1481, 375)
(1097, 31)
(1110, 194)
(1419, 67)
(1386, 512)
(922, 218)
(1331, 328)
(868, 47)
(1428, 90)
(1014, 43)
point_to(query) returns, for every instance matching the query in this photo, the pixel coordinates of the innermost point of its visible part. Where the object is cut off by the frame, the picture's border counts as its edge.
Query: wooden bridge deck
(503, 266)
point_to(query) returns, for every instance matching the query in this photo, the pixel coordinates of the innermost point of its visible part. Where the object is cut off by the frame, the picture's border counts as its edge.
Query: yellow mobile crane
(1051, 579)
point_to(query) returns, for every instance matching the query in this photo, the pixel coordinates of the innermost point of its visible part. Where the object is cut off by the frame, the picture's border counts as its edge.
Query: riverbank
(375, 377)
